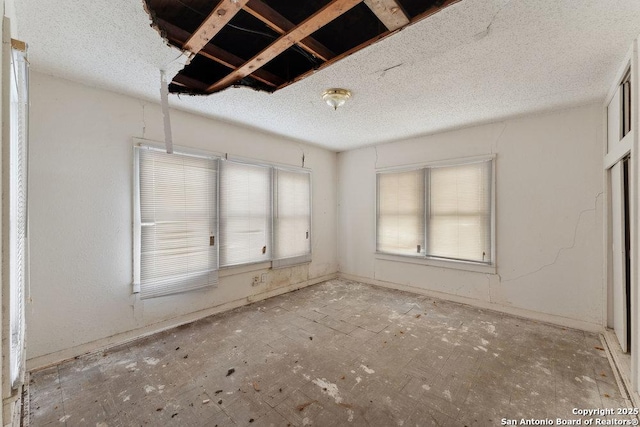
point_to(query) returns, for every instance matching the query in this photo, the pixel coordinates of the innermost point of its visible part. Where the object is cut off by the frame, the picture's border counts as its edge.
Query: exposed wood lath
(269, 44)
(211, 26)
(282, 25)
(389, 12)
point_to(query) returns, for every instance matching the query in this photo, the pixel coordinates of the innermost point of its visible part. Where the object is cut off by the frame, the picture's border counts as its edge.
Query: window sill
(438, 262)
(245, 268)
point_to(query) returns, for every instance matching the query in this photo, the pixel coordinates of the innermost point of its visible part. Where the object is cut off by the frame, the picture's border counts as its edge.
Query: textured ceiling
(240, 43)
(473, 62)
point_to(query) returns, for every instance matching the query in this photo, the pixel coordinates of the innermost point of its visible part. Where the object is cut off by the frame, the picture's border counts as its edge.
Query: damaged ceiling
(269, 44)
(475, 61)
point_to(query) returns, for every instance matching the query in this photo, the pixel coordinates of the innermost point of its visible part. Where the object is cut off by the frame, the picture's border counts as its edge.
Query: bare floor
(338, 353)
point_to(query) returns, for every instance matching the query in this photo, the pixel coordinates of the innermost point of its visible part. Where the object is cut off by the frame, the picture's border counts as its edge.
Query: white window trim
(151, 145)
(457, 161)
(15, 66)
(291, 261)
(269, 240)
(223, 271)
(439, 262)
(138, 146)
(457, 264)
(282, 262)
(300, 259)
(243, 268)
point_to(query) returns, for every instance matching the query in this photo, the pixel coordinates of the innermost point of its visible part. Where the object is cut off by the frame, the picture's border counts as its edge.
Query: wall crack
(494, 147)
(485, 33)
(144, 123)
(562, 249)
(375, 148)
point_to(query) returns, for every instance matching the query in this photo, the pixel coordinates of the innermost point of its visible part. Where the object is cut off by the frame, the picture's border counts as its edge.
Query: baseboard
(50, 359)
(514, 311)
(621, 370)
(12, 409)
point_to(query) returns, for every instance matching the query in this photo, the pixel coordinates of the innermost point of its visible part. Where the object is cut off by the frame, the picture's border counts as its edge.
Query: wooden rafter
(189, 82)
(336, 59)
(389, 12)
(282, 25)
(306, 28)
(217, 19)
(379, 37)
(177, 36)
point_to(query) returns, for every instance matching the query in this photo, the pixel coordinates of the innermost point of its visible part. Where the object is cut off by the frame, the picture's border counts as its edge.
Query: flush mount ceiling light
(336, 97)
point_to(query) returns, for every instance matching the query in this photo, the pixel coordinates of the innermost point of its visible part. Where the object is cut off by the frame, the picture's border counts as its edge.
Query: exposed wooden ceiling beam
(217, 19)
(336, 59)
(306, 28)
(189, 82)
(369, 42)
(389, 12)
(232, 61)
(281, 25)
(177, 36)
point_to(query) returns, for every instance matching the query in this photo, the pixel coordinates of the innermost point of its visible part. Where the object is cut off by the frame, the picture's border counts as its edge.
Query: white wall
(548, 216)
(81, 167)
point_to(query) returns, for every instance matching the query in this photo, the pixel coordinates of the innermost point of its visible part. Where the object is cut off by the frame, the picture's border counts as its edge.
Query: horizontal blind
(245, 213)
(292, 217)
(18, 219)
(459, 217)
(177, 222)
(400, 217)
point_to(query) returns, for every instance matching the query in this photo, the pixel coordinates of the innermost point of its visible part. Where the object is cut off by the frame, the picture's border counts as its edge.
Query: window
(245, 213)
(459, 212)
(439, 212)
(292, 217)
(176, 223)
(619, 113)
(401, 212)
(196, 213)
(17, 200)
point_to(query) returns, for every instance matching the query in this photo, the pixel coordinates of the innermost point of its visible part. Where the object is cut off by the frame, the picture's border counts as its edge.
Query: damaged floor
(338, 353)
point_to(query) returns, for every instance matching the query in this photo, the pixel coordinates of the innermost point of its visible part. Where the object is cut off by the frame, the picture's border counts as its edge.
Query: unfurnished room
(328, 212)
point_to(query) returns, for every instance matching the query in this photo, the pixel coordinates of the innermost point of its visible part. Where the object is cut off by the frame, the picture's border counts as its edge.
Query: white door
(619, 271)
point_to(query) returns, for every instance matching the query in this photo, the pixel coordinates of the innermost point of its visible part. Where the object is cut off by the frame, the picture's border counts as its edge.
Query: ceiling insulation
(269, 44)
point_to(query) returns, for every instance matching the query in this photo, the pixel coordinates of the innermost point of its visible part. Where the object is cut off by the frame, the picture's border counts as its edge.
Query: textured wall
(548, 214)
(81, 213)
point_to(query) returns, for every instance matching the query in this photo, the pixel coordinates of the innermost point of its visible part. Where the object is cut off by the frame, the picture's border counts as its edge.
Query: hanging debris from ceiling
(269, 44)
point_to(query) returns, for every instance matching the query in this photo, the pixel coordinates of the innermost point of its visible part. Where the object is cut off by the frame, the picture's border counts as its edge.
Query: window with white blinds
(292, 217)
(245, 213)
(459, 214)
(440, 212)
(176, 222)
(18, 217)
(195, 213)
(400, 216)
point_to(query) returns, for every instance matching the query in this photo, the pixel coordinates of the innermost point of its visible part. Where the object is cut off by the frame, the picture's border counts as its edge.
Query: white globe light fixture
(336, 97)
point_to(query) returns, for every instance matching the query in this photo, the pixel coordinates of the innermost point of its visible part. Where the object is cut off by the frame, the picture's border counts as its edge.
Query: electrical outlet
(263, 278)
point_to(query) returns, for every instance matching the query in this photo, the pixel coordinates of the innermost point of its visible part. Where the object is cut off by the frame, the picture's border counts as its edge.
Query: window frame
(223, 270)
(425, 178)
(268, 219)
(16, 208)
(299, 259)
(424, 258)
(138, 146)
